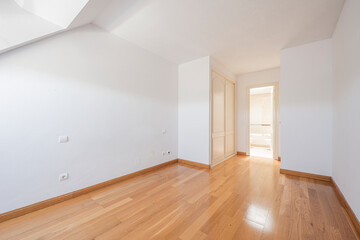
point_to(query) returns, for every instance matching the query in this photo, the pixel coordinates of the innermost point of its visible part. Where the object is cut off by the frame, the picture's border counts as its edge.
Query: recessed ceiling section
(59, 12)
(26, 21)
(18, 26)
(244, 35)
(89, 12)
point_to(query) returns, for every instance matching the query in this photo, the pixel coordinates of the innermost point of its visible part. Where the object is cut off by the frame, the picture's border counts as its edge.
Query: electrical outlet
(163, 153)
(64, 176)
(63, 139)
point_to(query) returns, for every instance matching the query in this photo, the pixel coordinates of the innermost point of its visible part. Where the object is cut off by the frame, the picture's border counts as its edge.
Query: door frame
(276, 117)
(227, 78)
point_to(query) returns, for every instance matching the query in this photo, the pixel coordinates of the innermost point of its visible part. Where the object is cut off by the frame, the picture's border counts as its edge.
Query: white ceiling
(59, 12)
(25, 21)
(244, 35)
(18, 26)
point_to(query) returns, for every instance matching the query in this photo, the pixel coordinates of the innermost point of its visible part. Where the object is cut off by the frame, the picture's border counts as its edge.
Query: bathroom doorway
(263, 121)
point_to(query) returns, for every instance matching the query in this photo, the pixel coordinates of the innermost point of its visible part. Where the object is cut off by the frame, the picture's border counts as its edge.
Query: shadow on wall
(91, 56)
(111, 98)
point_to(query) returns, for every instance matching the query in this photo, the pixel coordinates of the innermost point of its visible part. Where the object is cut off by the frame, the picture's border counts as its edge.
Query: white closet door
(223, 118)
(218, 118)
(229, 119)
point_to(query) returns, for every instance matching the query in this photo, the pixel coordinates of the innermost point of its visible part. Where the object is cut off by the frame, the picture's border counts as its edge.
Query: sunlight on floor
(261, 152)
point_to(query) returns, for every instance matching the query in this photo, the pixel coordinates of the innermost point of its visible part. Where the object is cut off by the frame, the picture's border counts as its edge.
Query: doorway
(263, 121)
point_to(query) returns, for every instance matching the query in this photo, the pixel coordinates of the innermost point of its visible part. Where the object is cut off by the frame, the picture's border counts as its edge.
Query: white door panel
(230, 119)
(230, 144)
(218, 104)
(218, 149)
(223, 118)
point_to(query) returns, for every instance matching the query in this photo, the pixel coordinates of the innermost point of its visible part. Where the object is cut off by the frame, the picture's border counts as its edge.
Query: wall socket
(63, 176)
(166, 153)
(63, 139)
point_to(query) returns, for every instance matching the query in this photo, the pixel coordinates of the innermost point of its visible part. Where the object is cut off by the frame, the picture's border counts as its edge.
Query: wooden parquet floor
(242, 198)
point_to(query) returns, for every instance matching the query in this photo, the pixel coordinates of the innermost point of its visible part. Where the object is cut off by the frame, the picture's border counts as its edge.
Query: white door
(223, 118)
(218, 119)
(229, 119)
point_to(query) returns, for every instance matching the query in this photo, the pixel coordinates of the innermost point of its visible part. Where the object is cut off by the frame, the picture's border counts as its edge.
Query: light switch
(63, 139)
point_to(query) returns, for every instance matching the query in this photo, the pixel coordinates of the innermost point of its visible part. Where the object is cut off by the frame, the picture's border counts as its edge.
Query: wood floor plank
(242, 198)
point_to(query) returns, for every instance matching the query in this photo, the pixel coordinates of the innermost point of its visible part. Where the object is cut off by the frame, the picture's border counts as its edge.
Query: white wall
(111, 98)
(194, 110)
(306, 108)
(243, 81)
(346, 164)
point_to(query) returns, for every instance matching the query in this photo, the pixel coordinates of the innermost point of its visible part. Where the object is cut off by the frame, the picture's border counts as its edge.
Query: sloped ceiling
(59, 12)
(26, 21)
(243, 35)
(18, 26)
(91, 10)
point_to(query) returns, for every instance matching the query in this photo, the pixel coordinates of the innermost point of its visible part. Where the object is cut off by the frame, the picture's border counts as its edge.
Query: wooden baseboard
(337, 191)
(49, 202)
(52, 201)
(347, 207)
(191, 163)
(306, 175)
(241, 153)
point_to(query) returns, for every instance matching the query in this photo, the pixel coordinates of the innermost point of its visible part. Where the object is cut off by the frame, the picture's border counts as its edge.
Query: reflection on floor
(243, 198)
(261, 152)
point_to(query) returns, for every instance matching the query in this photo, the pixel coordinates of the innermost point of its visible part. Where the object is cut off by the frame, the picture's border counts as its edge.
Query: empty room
(179, 119)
